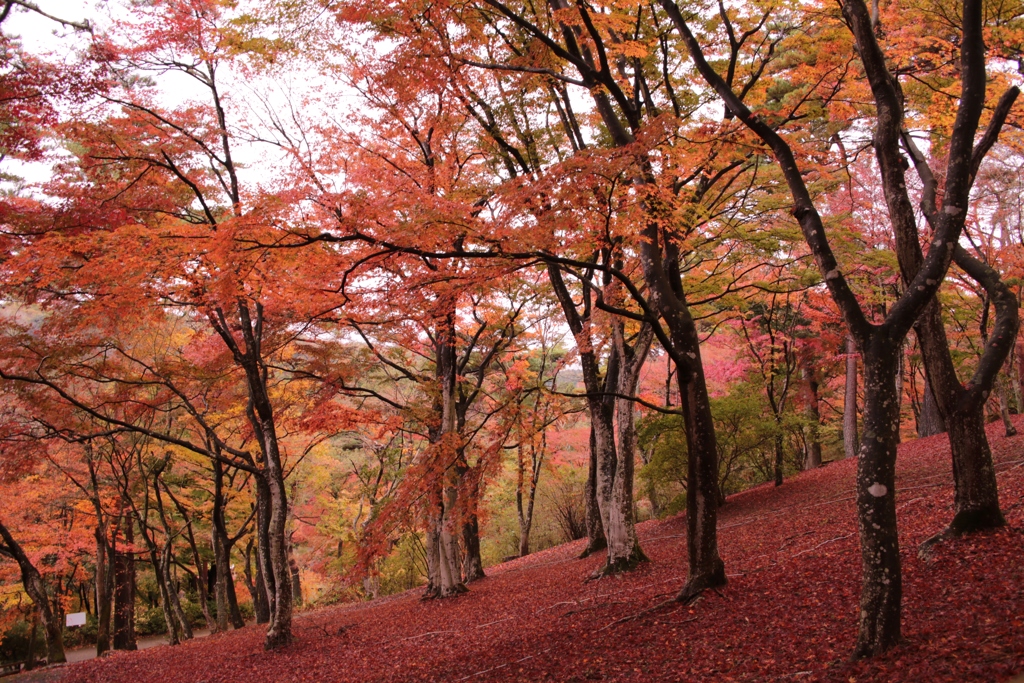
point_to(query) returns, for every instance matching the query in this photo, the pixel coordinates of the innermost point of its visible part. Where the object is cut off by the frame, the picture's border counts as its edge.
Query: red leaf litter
(789, 611)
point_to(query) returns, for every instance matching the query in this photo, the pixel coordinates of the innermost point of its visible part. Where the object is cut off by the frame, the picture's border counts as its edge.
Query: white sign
(76, 619)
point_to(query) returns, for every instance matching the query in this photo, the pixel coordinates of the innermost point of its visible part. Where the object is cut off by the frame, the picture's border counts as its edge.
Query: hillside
(788, 612)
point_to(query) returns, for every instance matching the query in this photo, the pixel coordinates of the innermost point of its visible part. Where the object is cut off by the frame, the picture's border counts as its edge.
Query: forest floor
(789, 612)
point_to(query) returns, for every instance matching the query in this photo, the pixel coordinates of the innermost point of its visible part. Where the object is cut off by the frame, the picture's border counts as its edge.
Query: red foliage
(788, 613)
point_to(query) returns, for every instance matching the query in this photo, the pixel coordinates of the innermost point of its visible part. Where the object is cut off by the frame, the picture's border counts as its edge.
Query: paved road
(56, 673)
(83, 653)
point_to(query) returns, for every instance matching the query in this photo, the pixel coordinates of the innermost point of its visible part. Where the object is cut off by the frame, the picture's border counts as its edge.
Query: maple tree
(240, 327)
(881, 594)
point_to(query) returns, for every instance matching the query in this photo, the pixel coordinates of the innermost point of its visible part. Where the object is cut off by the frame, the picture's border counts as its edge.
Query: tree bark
(930, 422)
(812, 454)
(879, 344)
(224, 584)
(296, 577)
(596, 541)
(270, 480)
(881, 578)
(255, 585)
(624, 551)
(36, 589)
(599, 407)
(444, 572)
(167, 556)
(850, 440)
(124, 591)
(472, 563)
(103, 589)
(1004, 409)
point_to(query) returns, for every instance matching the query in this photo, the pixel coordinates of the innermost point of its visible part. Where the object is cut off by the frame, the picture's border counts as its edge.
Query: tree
(36, 589)
(879, 343)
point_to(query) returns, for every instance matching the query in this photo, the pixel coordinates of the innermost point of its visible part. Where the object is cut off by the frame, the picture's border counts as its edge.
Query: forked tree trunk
(273, 497)
(880, 344)
(184, 628)
(444, 576)
(617, 516)
(36, 589)
(850, 440)
(224, 584)
(600, 407)
(444, 571)
(166, 606)
(976, 496)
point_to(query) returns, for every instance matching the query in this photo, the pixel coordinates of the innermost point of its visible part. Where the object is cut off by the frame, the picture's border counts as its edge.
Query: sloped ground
(788, 613)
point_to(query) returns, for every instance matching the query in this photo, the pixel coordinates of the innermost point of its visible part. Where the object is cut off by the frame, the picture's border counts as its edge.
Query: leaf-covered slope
(788, 613)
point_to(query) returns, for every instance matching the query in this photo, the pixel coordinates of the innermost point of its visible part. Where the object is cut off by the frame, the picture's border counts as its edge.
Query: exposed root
(594, 546)
(621, 565)
(924, 551)
(277, 638)
(642, 613)
(696, 585)
(436, 593)
(981, 519)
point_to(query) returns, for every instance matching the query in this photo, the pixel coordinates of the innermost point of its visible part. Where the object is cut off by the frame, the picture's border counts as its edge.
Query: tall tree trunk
(444, 571)
(173, 629)
(596, 541)
(930, 422)
(976, 496)
(293, 571)
(254, 584)
(270, 480)
(124, 591)
(202, 571)
(624, 551)
(30, 656)
(706, 569)
(103, 578)
(600, 410)
(812, 455)
(660, 259)
(850, 440)
(1004, 409)
(265, 572)
(167, 556)
(218, 539)
(472, 562)
(178, 612)
(780, 451)
(103, 586)
(526, 486)
(881, 578)
(36, 589)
